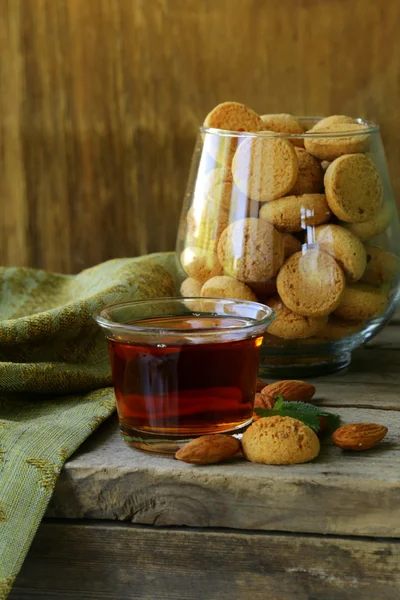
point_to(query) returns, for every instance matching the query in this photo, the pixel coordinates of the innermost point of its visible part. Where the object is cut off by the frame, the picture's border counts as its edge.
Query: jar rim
(370, 127)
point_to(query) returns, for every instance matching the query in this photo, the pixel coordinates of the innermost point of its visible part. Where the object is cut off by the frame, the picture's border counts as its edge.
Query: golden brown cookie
(265, 168)
(216, 176)
(284, 123)
(263, 290)
(290, 326)
(280, 441)
(206, 224)
(374, 226)
(353, 188)
(310, 178)
(382, 267)
(250, 250)
(345, 248)
(311, 283)
(336, 329)
(291, 245)
(191, 288)
(227, 287)
(200, 264)
(361, 302)
(332, 120)
(351, 138)
(294, 213)
(233, 116)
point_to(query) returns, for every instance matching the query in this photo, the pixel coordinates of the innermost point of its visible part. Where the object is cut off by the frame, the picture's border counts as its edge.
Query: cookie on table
(345, 248)
(311, 283)
(310, 178)
(332, 120)
(374, 226)
(265, 168)
(336, 329)
(350, 140)
(294, 213)
(224, 286)
(284, 123)
(250, 250)
(190, 288)
(361, 302)
(353, 188)
(291, 245)
(280, 441)
(201, 264)
(290, 326)
(382, 267)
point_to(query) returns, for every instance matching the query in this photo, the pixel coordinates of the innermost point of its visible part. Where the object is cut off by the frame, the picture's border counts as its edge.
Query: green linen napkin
(55, 381)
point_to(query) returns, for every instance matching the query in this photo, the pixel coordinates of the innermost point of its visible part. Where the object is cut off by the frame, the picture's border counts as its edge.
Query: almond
(290, 390)
(359, 436)
(208, 449)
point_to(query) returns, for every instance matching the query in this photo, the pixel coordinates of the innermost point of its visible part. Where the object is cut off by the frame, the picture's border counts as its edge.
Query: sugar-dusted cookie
(294, 213)
(361, 302)
(353, 188)
(290, 326)
(201, 264)
(345, 248)
(250, 250)
(233, 116)
(280, 441)
(311, 283)
(382, 267)
(284, 123)
(310, 178)
(227, 287)
(351, 138)
(374, 226)
(265, 168)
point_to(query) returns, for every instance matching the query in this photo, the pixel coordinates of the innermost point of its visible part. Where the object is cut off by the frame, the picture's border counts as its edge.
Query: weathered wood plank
(339, 493)
(126, 562)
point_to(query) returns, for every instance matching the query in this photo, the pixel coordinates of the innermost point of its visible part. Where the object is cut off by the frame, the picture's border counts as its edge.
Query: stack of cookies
(288, 220)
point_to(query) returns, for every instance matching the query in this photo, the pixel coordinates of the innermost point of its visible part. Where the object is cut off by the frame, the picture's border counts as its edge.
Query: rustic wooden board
(126, 562)
(339, 493)
(100, 102)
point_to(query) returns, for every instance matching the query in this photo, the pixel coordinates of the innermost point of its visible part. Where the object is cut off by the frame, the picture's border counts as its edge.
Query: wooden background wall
(100, 101)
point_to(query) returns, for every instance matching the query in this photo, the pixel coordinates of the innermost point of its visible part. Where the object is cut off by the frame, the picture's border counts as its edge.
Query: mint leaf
(307, 413)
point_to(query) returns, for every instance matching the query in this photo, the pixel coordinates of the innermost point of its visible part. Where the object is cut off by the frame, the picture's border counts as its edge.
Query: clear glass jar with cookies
(299, 214)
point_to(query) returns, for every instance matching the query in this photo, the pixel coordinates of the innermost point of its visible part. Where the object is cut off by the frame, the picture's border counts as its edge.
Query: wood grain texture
(124, 562)
(100, 101)
(338, 493)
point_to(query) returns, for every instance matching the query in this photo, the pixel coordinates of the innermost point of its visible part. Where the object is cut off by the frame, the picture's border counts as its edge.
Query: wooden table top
(339, 493)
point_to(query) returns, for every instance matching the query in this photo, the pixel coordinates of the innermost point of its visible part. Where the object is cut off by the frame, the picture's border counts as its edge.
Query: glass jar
(304, 223)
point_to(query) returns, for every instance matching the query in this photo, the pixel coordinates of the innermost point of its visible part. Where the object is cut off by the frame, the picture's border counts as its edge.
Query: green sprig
(307, 413)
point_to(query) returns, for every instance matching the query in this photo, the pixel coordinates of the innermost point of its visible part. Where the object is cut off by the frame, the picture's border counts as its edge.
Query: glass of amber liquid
(183, 367)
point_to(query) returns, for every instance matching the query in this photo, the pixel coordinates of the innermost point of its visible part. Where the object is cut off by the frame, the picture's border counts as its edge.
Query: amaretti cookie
(311, 283)
(336, 329)
(322, 124)
(190, 288)
(284, 123)
(265, 168)
(374, 226)
(294, 213)
(263, 289)
(206, 224)
(216, 176)
(291, 326)
(227, 287)
(201, 264)
(310, 178)
(250, 250)
(345, 248)
(351, 138)
(361, 302)
(291, 245)
(382, 267)
(280, 441)
(353, 188)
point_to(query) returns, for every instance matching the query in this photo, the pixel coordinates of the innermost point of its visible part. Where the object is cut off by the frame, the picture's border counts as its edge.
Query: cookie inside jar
(296, 213)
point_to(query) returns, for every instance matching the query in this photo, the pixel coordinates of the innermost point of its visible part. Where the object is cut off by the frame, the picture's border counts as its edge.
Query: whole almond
(359, 436)
(208, 449)
(290, 390)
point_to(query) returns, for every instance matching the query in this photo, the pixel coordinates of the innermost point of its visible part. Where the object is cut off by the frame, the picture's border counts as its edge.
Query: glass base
(302, 367)
(156, 443)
